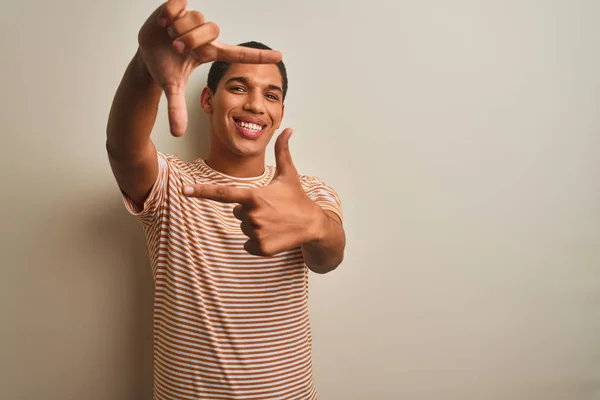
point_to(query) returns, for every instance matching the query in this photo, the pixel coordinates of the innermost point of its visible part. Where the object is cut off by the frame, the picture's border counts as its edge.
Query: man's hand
(276, 217)
(171, 62)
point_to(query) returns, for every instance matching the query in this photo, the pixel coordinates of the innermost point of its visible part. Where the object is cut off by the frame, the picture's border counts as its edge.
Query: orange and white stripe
(227, 325)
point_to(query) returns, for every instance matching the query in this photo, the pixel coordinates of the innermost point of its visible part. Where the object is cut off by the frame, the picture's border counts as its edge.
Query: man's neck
(228, 163)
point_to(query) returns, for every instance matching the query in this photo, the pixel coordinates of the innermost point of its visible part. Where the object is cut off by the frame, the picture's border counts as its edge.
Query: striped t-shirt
(227, 324)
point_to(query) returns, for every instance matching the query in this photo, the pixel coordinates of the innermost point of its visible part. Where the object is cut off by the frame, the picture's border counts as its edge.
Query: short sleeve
(156, 197)
(324, 195)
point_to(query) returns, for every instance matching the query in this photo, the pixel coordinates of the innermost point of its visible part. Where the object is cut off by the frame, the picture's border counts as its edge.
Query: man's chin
(241, 146)
(246, 152)
(252, 149)
(248, 147)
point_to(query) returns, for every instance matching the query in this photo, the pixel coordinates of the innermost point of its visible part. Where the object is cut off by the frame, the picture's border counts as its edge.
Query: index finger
(220, 193)
(245, 55)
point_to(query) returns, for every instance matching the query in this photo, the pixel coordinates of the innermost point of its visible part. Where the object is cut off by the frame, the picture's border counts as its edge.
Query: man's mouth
(249, 129)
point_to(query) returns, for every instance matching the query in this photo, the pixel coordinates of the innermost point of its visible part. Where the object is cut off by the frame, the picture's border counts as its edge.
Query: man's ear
(282, 114)
(206, 100)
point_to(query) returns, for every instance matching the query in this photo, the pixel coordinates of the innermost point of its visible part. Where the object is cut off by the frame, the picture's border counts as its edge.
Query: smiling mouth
(249, 129)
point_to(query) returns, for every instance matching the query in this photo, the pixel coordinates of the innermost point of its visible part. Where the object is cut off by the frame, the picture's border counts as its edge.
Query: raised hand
(174, 41)
(276, 217)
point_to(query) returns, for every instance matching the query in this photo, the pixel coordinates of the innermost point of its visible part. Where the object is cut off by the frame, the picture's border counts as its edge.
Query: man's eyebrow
(245, 81)
(239, 79)
(275, 87)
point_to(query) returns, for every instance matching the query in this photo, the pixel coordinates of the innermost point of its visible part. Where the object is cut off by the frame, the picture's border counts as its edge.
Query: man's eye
(237, 88)
(272, 96)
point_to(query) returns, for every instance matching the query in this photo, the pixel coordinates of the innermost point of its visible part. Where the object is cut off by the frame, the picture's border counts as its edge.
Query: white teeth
(250, 126)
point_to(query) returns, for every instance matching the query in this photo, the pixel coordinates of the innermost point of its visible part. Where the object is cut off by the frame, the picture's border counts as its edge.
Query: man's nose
(255, 103)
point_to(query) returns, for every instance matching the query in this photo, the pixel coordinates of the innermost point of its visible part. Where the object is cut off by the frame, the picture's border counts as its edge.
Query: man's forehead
(256, 74)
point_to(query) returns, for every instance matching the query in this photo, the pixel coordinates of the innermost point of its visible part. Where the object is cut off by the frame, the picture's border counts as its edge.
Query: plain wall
(463, 138)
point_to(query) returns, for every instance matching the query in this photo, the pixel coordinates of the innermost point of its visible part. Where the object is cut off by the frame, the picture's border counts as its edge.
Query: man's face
(246, 108)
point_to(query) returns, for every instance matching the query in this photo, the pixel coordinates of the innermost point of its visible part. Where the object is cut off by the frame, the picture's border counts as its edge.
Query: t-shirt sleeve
(157, 196)
(325, 196)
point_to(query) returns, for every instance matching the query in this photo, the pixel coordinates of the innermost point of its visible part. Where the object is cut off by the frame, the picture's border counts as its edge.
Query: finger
(177, 109)
(252, 247)
(247, 229)
(245, 55)
(283, 157)
(239, 213)
(220, 193)
(190, 21)
(197, 37)
(172, 10)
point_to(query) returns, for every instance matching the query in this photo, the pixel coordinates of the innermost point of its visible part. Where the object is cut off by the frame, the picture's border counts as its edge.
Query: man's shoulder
(171, 158)
(312, 182)
(305, 179)
(309, 179)
(177, 165)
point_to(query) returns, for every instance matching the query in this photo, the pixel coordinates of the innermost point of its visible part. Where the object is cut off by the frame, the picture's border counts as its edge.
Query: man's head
(245, 102)
(219, 68)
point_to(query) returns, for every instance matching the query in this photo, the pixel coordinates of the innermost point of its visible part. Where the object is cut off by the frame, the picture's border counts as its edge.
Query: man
(230, 239)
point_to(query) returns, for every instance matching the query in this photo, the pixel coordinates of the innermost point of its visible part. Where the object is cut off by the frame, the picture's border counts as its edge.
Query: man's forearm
(133, 112)
(326, 252)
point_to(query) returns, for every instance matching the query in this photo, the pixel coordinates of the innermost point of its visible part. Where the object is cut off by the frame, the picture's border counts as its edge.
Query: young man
(230, 239)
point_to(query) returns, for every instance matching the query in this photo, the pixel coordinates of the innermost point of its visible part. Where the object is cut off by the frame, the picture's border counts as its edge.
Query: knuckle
(253, 217)
(264, 245)
(221, 192)
(173, 11)
(242, 56)
(177, 28)
(250, 248)
(265, 249)
(245, 229)
(200, 35)
(260, 247)
(196, 17)
(254, 197)
(189, 40)
(213, 29)
(169, 11)
(181, 13)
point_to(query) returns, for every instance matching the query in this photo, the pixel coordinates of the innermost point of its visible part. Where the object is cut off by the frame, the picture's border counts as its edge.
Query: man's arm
(325, 253)
(131, 153)
(159, 65)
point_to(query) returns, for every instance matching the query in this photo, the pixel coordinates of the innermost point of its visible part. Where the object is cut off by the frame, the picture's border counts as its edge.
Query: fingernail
(162, 21)
(188, 190)
(179, 46)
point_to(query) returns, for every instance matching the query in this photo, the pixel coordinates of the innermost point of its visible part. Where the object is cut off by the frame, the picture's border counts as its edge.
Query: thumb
(283, 157)
(178, 117)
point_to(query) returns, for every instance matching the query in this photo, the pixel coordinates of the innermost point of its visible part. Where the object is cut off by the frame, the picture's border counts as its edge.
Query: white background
(463, 138)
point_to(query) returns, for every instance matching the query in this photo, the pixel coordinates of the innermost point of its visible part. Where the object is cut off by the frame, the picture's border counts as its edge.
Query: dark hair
(219, 68)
